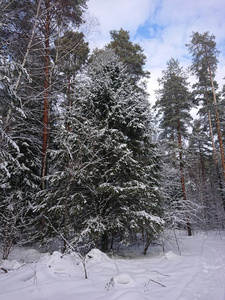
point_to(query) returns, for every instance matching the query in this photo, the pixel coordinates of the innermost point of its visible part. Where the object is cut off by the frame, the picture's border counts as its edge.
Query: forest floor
(193, 271)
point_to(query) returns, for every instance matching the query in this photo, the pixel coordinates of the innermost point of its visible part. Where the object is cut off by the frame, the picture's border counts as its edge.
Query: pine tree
(221, 111)
(131, 54)
(35, 27)
(204, 65)
(54, 14)
(174, 106)
(70, 53)
(25, 81)
(204, 187)
(203, 97)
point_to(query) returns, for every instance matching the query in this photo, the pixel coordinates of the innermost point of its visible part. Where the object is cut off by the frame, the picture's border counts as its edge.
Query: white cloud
(128, 14)
(120, 13)
(162, 28)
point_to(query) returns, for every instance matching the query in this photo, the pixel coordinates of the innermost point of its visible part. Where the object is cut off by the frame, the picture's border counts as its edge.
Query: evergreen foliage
(18, 160)
(204, 184)
(174, 106)
(109, 166)
(22, 84)
(77, 159)
(204, 65)
(131, 54)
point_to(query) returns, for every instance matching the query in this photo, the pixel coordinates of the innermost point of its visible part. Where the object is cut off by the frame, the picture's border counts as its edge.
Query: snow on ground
(197, 274)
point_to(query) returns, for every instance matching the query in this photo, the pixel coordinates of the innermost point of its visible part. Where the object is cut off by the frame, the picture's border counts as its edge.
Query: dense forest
(85, 161)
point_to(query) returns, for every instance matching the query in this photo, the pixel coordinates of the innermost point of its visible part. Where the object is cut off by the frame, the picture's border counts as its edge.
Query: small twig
(157, 272)
(202, 246)
(118, 271)
(160, 273)
(176, 240)
(157, 282)
(83, 259)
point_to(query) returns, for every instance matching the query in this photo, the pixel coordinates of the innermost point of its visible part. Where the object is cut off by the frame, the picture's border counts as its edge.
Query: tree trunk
(105, 241)
(212, 138)
(68, 91)
(66, 223)
(215, 154)
(8, 241)
(46, 95)
(147, 243)
(182, 174)
(217, 123)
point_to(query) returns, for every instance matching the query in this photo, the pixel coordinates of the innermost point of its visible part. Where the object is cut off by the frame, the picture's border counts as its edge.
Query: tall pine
(204, 65)
(173, 104)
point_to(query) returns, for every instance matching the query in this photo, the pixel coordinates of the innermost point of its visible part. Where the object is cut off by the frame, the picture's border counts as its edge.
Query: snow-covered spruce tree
(19, 146)
(105, 184)
(18, 163)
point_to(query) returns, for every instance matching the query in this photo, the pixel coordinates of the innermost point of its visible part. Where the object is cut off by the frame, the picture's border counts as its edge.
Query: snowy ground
(197, 274)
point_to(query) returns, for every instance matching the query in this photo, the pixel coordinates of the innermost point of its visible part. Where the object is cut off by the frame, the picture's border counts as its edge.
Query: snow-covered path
(207, 282)
(197, 274)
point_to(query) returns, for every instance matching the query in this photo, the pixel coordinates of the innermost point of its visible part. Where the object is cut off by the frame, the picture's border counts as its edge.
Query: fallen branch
(3, 269)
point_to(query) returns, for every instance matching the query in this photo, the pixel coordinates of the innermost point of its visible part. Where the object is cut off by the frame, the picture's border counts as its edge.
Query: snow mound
(24, 255)
(63, 265)
(207, 267)
(30, 255)
(10, 265)
(171, 255)
(98, 256)
(123, 279)
(199, 273)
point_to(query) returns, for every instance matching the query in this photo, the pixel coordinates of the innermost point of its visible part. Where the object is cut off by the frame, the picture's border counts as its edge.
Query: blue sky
(162, 28)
